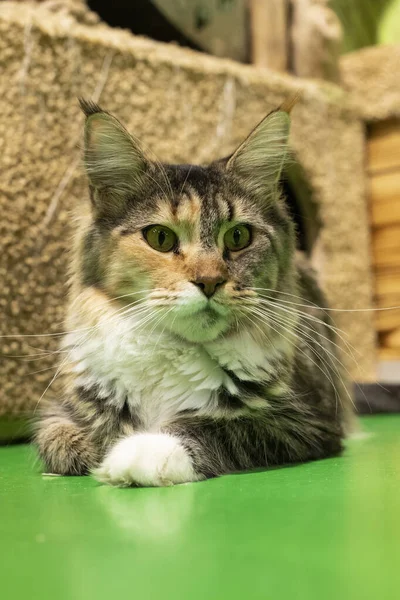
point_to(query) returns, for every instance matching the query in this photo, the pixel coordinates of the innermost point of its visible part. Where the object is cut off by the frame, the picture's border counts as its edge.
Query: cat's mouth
(215, 308)
(211, 309)
(200, 322)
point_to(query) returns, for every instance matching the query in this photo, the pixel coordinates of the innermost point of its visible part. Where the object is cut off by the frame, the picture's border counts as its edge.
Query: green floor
(324, 530)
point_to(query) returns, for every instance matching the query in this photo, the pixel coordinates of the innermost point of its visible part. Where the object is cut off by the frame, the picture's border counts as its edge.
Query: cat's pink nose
(209, 285)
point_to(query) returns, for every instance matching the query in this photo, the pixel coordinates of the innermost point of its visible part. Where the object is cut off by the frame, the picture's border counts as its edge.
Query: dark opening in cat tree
(302, 205)
(218, 27)
(142, 17)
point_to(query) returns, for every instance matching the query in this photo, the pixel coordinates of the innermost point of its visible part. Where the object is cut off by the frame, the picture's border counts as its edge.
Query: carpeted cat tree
(183, 105)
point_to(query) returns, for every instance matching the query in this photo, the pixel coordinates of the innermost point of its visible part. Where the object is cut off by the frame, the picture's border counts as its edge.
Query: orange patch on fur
(163, 268)
(189, 209)
(91, 306)
(185, 221)
(205, 264)
(167, 270)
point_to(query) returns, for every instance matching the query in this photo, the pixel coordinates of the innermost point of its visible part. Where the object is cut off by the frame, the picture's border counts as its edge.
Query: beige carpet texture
(185, 107)
(371, 75)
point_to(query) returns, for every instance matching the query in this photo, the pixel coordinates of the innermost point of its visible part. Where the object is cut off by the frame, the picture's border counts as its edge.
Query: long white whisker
(340, 334)
(348, 351)
(333, 356)
(161, 333)
(323, 308)
(79, 342)
(255, 313)
(80, 330)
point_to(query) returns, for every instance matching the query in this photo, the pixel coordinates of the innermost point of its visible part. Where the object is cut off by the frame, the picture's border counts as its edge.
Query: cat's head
(192, 242)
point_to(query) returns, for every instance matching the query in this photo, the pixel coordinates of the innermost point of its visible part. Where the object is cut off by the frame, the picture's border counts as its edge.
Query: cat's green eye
(237, 238)
(160, 238)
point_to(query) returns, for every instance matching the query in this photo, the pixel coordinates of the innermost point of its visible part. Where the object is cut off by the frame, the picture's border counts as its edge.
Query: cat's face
(190, 243)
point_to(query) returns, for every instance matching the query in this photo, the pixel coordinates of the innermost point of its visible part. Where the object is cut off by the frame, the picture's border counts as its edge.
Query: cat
(196, 344)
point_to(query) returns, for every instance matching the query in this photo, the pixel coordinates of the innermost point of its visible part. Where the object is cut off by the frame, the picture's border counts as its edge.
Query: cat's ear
(259, 160)
(114, 162)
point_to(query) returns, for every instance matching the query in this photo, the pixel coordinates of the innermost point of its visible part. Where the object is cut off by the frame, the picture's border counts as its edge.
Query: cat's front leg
(147, 459)
(195, 448)
(189, 449)
(64, 446)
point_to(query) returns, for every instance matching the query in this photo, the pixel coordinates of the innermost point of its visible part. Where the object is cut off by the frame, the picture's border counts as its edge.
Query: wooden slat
(385, 187)
(387, 300)
(387, 285)
(383, 129)
(269, 33)
(387, 238)
(387, 320)
(388, 272)
(385, 259)
(389, 354)
(384, 147)
(386, 247)
(391, 339)
(385, 212)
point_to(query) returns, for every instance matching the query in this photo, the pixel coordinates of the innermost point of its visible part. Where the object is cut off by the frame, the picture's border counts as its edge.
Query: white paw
(147, 459)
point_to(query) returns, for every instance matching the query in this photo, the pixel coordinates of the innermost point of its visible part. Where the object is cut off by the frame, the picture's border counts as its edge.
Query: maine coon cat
(197, 344)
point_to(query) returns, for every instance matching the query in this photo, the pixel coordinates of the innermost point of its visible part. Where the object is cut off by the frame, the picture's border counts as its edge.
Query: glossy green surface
(324, 530)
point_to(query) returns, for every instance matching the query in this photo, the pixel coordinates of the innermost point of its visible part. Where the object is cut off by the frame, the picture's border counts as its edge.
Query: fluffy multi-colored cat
(196, 344)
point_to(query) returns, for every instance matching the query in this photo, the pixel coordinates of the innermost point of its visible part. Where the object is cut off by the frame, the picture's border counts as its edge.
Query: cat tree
(372, 78)
(183, 105)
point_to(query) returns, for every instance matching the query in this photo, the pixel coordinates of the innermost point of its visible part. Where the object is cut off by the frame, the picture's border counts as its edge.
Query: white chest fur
(159, 374)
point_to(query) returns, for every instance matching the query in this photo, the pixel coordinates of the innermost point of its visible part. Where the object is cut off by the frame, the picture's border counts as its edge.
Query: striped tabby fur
(201, 360)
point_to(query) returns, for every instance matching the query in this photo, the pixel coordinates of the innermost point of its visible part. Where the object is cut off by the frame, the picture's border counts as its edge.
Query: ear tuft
(114, 161)
(89, 107)
(290, 103)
